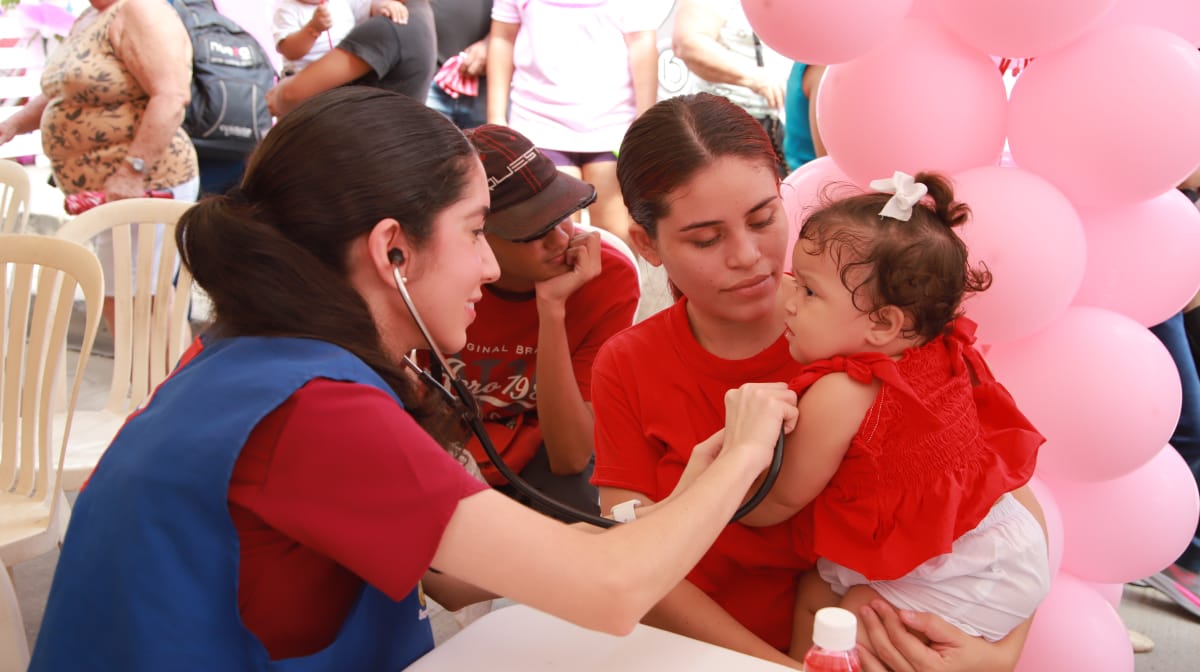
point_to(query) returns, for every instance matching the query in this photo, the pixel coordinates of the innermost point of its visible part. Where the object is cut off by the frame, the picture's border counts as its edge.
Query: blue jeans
(465, 111)
(1186, 439)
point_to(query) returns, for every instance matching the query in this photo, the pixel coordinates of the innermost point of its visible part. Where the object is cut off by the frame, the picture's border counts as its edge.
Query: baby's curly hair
(919, 266)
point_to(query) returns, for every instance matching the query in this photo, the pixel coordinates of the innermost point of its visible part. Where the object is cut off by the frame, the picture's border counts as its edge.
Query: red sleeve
(625, 458)
(608, 304)
(351, 476)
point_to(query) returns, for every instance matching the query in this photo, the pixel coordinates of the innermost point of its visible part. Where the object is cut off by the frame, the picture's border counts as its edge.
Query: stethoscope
(471, 414)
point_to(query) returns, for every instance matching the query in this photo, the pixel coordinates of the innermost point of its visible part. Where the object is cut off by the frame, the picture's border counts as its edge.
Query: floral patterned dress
(94, 107)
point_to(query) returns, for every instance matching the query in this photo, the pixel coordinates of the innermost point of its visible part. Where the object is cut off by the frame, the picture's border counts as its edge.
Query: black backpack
(230, 76)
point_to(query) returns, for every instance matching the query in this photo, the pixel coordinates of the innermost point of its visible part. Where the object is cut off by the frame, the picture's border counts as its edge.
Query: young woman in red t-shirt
(698, 176)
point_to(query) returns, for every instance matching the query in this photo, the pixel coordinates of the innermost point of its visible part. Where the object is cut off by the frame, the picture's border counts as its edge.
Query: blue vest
(148, 578)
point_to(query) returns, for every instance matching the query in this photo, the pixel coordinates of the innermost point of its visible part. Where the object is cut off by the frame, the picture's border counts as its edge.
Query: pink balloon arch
(1087, 240)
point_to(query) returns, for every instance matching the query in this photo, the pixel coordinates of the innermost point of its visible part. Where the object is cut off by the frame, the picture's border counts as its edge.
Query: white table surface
(522, 639)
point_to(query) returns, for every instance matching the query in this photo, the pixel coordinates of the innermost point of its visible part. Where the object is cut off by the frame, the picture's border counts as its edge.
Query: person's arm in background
(150, 40)
(475, 58)
(695, 41)
(811, 86)
(298, 41)
(25, 120)
(643, 63)
(564, 418)
(335, 68)
(500, 70)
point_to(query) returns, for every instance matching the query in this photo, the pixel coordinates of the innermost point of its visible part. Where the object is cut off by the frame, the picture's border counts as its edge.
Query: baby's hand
(321, 20)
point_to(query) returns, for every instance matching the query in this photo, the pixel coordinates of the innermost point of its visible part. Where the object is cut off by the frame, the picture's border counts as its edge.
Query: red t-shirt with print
(499, 361)
(657, 393)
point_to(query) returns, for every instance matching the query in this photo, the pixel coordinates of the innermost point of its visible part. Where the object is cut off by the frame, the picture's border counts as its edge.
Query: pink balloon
(923, 100)
(1110, 592)
(1110, 119)
(924, 9)
(1141, 258)
(1130, 527)
(1100, 387)
(1020, 28)
(1032, 284)
(1075, 629)
(820, 31)
(809, 187)
(1181, 17)
(1054, 524)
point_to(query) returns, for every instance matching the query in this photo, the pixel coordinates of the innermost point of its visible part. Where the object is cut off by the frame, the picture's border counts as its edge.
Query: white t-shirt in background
(292, 15)
(572, 88)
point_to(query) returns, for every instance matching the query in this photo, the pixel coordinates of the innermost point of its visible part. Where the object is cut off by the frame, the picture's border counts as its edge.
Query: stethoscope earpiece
(396, 256)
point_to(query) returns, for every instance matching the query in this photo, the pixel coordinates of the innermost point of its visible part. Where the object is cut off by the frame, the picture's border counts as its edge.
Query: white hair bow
(907, 193)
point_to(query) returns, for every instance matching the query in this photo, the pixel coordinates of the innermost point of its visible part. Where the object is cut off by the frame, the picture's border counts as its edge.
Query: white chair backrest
(14, 648)
(14, 197)
(151, 322)
(37, 295)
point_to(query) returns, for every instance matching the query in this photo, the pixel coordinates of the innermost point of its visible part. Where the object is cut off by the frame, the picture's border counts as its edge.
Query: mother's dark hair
(676, 138)
(273, 254)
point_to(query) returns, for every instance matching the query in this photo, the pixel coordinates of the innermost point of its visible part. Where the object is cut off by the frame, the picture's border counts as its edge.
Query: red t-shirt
(336, 486)
(657, 393)
(499, 361)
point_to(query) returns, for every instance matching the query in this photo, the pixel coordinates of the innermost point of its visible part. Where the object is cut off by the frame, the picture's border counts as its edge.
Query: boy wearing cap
(562, 293)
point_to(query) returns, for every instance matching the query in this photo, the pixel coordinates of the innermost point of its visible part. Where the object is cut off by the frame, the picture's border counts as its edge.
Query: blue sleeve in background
(798, 142)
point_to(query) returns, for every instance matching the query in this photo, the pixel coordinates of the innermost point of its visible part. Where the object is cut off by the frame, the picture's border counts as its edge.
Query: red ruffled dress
(933, 454)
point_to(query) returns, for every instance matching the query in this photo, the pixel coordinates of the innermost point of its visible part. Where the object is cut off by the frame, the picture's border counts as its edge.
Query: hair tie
(906, 192)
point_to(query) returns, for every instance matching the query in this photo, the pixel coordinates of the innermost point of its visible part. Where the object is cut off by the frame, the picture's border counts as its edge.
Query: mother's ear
(643, 244)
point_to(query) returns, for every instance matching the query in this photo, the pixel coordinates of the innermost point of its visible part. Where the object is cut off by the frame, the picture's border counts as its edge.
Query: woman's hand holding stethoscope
(754, 414)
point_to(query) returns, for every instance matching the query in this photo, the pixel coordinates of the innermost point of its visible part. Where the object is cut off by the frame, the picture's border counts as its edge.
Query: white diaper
(991, 581)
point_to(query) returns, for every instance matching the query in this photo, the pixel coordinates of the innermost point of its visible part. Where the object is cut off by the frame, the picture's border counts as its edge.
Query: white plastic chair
(38, 280)
(14, 197)
(14, 649)
(151, 323)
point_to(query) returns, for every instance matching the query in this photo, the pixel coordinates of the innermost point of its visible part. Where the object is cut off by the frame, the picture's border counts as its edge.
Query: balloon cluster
(1086, 237)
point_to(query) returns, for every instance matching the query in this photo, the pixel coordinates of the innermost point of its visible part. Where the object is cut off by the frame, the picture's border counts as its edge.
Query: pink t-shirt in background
(572, 88)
